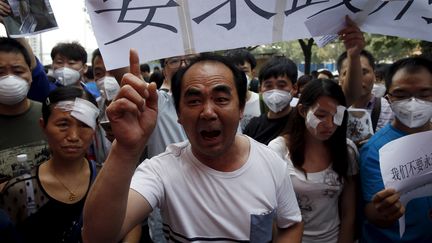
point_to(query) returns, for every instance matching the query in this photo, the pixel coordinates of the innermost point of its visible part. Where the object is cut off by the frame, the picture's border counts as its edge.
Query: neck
(16, 109)
(318, 158)
(61, 167)
(282, 113)
(362, 101)
(238, 153)
(166, 84)
(400, 126)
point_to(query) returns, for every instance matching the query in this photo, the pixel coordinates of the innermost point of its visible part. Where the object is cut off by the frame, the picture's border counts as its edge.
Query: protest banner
(159, 29)
(406, 166)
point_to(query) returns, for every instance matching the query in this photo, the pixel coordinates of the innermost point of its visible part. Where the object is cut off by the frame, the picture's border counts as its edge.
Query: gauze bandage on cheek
(311, 119)
(81, 110)
(338, 117)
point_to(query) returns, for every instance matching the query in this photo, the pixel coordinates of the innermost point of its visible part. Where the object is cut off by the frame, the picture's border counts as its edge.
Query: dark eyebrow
(192, 92)
(222, 88)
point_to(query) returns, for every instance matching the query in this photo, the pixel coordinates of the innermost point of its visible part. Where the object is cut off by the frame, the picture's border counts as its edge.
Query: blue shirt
(418, 215)
(40, 86)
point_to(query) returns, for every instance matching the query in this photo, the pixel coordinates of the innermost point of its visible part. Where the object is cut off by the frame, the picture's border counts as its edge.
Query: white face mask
(66, 76)
(378, 90)
(108, 86)
(412, 112)
(13, 89)
(276, 99)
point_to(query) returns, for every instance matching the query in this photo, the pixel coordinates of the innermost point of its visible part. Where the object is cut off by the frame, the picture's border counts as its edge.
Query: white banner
(163, 28)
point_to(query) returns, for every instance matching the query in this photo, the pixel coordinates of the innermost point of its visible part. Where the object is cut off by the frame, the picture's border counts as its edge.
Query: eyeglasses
(422, 95)
(176, 62)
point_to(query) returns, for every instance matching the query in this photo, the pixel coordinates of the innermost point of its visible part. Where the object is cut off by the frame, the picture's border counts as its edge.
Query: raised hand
(133, 113)
(352, 37)
(5, 10)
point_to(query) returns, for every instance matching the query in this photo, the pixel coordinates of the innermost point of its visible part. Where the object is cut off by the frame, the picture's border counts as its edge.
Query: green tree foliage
(389, 48)
(426, 48)
(384, 48)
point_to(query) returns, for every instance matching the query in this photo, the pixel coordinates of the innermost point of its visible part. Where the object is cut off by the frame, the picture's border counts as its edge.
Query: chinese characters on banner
(406, 166)
(163, 28)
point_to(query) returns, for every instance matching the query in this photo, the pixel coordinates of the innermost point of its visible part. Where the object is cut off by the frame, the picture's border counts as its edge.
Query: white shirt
(198, 201)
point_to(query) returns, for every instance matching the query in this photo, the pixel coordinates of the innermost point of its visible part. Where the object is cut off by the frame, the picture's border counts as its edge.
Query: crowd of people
(206, 149)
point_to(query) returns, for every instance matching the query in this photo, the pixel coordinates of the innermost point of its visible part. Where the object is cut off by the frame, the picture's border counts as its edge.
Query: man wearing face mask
(379, 89)
(277, 84)
(69, 66)
(20, 133)
(409, 85)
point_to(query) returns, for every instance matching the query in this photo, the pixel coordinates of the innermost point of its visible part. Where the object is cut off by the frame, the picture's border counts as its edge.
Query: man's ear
(42, 123)
(294, 90)
(85, 68)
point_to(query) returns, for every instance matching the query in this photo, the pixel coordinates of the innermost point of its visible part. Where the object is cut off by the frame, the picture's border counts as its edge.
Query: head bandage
(82, 110)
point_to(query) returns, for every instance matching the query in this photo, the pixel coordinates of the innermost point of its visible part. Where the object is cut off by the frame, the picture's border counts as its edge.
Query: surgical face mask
(378, 90)
(276, 100)
(109, 87)
(67, 76)
(412, 112)
(13, 89)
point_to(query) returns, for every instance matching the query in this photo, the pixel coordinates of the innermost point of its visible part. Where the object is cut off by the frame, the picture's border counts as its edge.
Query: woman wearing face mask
(46, 204)
(321, 164)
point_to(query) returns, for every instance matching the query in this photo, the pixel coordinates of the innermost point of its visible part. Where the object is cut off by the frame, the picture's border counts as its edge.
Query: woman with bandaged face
(321, 164)
(46, 204)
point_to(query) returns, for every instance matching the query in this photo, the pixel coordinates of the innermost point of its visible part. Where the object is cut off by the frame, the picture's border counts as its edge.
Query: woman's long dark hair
(297, 129)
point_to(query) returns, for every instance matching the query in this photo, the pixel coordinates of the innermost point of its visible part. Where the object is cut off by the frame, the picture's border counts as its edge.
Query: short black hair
(279, 66)
(304, 79)
(95, 53)
(73, 51)
(64, 93)
(239, 77)
(145, 67)
(9, 45)
(410, 64)
(363, 52)
(240, 56)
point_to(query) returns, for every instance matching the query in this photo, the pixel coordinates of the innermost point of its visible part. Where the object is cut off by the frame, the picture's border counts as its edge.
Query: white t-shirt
(197, 201)
(252, 109)
(317, 196)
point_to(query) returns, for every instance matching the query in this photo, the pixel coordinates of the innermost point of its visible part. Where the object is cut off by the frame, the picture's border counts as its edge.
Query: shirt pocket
(261, 227)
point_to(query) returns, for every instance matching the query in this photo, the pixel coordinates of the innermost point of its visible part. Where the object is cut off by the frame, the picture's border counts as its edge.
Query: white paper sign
(159, 29)
(406, 166)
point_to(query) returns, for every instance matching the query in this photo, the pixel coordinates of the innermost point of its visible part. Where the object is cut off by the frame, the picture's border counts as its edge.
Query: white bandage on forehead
(82, 110)
(338, 117)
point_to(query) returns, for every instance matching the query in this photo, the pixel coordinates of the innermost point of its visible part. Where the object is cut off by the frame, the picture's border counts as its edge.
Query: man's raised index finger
(134, 64)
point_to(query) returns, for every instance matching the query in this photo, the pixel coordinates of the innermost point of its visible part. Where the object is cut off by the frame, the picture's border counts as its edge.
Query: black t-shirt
(264, 129)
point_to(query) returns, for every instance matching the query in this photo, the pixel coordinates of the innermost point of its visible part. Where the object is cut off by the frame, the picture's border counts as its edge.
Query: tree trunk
(307, 52)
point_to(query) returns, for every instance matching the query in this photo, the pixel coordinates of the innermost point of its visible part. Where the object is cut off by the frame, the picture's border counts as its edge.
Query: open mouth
(208, 135)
